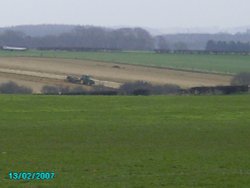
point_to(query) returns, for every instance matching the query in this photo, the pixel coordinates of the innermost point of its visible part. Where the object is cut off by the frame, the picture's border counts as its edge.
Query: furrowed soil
(37, 72)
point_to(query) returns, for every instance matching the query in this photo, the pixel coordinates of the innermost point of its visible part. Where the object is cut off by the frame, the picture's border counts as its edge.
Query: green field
(149, 142)
(229, 64)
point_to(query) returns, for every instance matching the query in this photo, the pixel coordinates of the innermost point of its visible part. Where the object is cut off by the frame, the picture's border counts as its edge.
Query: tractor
(73, 79)
(84, 80)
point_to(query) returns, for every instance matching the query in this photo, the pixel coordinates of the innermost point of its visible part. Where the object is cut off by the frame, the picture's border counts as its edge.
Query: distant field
(229, 64)
(126, 141)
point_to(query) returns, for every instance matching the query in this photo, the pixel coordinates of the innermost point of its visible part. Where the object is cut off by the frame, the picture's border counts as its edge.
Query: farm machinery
(84, 80)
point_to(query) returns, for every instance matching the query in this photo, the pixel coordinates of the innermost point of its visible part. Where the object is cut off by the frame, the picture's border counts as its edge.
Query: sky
(143, 13)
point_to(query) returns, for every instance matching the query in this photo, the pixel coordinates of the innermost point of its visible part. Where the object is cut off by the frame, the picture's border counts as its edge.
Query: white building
(11, 48)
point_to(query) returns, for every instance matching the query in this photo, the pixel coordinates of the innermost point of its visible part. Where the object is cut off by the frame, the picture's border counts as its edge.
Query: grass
(149, 142)
(226, 64)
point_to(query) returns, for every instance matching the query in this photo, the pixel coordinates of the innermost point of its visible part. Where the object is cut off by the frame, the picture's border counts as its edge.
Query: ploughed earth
(37, 72)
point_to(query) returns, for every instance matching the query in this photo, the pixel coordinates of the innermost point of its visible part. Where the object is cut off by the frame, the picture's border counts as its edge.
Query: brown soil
(36, 72)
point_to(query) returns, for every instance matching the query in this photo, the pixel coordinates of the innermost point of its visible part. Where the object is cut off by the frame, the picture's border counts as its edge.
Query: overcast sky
(149, 13)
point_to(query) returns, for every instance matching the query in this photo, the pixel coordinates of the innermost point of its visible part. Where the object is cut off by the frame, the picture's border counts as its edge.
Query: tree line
(198, 41)
(223, 46)
(90, 37)
(84, 37)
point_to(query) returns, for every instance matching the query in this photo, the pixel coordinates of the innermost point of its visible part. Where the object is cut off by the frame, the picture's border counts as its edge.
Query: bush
(131, 88)
(141, 92)
(78, 91)
(218, 90)
(103, 90)
(134, 88)
(59, 90)
(13, 88)
(145, 88)
(54, 90)
(50, 90)
(241, 79)
(166, 89)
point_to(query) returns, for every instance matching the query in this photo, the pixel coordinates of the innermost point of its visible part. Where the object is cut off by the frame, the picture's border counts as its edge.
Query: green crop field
(157, 141)
(229, 64)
